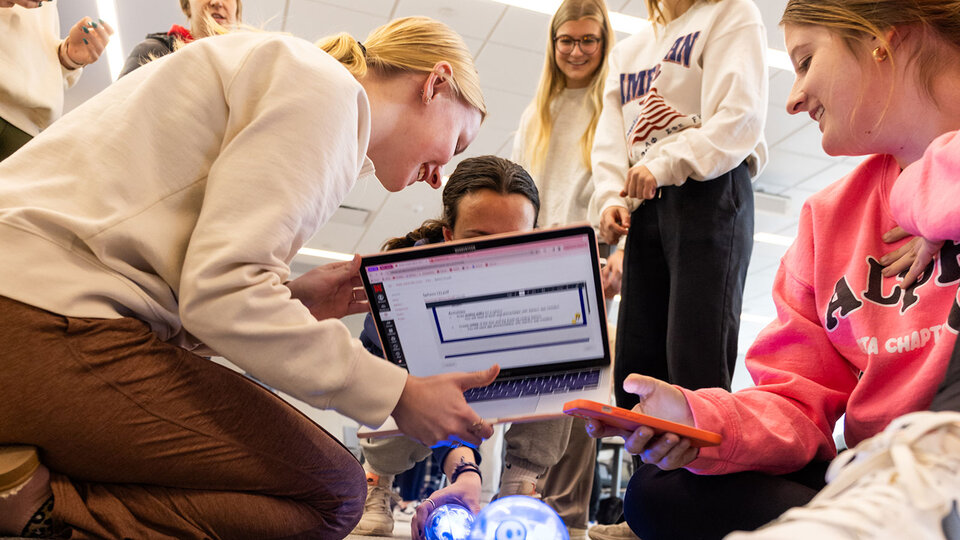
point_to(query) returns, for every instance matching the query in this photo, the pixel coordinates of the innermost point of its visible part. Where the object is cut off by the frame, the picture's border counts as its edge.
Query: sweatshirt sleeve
(609, 155)
(802, 387)
(70, 76)
(924, 198)
(733, 103)
(293, 145)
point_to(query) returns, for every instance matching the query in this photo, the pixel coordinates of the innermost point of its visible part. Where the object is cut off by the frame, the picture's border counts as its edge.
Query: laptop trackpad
(506, 407)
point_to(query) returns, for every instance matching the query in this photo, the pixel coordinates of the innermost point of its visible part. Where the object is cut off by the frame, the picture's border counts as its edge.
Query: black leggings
(682, 505)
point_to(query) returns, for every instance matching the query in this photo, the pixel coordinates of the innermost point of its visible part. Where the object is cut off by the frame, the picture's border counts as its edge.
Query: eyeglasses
(588, 44)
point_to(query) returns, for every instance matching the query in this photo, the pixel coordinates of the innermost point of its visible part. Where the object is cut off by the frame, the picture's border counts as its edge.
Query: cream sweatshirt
(564, 184)
(179, 196)
(688, 100)
(32, 80)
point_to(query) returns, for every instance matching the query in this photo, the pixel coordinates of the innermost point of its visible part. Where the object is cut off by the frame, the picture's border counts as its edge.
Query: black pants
(683, 274)
(11, 139)
(659, 504)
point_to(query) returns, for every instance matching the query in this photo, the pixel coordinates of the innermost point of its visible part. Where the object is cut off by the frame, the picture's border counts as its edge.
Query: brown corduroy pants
(146, 440)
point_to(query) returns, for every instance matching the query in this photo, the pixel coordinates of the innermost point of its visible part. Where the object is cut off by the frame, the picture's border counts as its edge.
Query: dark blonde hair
(493, 173)
(857, 20)
(552, 82)
(412, 45)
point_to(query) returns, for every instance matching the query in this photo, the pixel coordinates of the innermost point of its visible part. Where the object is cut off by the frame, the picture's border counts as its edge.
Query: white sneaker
(377, 519)
(576, 534)
(618, 531)
(901, 483)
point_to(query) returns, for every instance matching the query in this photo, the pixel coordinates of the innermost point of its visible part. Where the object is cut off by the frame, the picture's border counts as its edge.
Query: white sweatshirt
(32, 81)
(179, 196)
(564, 183)
(687, 100)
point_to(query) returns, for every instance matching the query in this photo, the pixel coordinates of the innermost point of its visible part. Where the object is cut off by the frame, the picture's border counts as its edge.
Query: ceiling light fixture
(324, 254)
(629, 24)
(107, 11)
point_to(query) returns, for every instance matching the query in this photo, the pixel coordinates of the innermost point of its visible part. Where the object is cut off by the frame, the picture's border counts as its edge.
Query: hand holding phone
(629, 420)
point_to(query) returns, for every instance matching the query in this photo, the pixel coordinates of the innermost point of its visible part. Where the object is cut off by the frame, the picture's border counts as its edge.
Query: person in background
(112, 296)
(679, 139)
(37, 66)
(484, 195)
(860, 330)
(553, 141)
(206, 17)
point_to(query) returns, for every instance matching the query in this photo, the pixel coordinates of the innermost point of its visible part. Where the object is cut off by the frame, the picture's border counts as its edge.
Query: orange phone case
(624, 419)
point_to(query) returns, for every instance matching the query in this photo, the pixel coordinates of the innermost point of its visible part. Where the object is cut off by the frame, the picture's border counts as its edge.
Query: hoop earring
(879, 54)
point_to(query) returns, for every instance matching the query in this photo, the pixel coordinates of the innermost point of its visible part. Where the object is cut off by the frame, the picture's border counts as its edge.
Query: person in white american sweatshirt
(155, 224)
(679, 139)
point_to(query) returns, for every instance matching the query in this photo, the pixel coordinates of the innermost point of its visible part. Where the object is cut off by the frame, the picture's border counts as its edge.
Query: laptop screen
(530, 302)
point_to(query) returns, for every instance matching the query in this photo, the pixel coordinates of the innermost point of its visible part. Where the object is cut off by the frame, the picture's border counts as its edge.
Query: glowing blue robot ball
(518, 518)
(449, 522)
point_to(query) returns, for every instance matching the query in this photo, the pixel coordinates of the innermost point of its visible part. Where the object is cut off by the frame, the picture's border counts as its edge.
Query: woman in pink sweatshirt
(853, 334)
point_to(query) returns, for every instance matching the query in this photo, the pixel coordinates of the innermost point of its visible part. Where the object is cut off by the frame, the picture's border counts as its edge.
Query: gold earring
(879, 54)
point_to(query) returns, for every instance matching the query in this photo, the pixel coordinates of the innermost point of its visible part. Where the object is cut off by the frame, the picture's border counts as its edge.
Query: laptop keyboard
(527, 386)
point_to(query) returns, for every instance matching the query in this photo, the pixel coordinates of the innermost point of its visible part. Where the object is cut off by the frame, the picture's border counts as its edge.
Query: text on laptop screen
(517, 305)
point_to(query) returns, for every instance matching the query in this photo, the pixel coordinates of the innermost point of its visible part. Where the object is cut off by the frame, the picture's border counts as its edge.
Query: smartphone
(626, 419)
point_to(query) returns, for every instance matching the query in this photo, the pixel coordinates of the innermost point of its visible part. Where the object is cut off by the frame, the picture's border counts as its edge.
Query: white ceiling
(508, 45)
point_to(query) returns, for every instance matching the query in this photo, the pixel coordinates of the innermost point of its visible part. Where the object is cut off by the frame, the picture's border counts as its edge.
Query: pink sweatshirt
(845, 339)
(926, 198)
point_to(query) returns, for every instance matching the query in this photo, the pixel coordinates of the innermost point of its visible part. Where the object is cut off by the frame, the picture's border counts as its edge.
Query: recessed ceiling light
(324, 254)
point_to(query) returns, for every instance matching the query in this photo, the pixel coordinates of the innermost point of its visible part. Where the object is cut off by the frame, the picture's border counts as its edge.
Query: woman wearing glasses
(679, 139)
(553, 142)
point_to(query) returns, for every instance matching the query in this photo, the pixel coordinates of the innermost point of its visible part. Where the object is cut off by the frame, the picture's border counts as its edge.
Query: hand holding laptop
(433, 409)
(662, 400)
(331, 291)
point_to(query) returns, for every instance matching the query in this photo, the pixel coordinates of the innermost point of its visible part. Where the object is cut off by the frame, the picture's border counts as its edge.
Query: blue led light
(449, 522)
(518, 518)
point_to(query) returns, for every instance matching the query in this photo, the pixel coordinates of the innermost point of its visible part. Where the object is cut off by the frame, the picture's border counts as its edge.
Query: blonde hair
(410, 44)
(655, 12)
(855, 20)
(553, 81)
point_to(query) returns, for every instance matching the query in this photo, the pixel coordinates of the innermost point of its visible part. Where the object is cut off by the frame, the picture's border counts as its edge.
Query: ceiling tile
(263, 14)
(337, 237)
(634, 8)
(490, 140)
(366, 193)
(523, 29)
(781, 82)
(505, 108)
(781, 125)
(313, 20)
(471, 18)
(770, 12)
(509, 69)
(380, 8)
(769, 223)
(806, 141)
(828, 176)
(788, 169)
(402, 212)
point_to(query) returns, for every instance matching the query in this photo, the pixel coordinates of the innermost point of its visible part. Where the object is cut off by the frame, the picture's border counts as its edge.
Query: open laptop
(531, 302)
